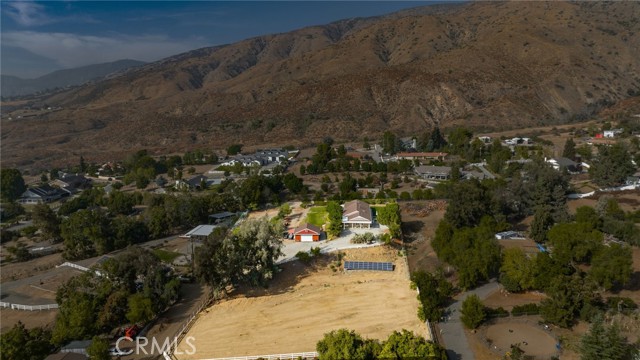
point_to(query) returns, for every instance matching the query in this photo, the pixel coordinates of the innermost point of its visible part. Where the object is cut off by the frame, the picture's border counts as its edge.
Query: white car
(120, 352)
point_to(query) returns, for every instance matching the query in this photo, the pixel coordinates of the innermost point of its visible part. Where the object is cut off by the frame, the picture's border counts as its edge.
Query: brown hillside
(487, 65)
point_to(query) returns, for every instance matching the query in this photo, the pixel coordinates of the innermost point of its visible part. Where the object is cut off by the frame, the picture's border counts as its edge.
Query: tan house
(357, 214)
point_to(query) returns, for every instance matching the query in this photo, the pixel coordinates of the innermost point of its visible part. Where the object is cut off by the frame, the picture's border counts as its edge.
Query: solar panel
(368, 265)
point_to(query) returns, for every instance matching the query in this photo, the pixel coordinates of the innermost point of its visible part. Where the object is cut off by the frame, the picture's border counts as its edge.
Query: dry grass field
(306, 302)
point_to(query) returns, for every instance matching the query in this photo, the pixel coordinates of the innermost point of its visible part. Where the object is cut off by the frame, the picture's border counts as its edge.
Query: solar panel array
(368, 265)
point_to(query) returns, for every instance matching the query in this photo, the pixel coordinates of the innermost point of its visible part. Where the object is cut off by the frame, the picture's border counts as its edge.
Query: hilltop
(488, 65)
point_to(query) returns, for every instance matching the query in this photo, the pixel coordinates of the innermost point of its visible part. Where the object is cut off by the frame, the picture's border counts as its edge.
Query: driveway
(452, 330)
(290, 248)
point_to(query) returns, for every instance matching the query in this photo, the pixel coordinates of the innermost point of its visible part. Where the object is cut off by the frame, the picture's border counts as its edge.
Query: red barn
(307, 232)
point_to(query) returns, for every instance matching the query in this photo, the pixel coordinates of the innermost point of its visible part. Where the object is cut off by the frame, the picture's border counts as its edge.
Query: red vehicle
(132, 331)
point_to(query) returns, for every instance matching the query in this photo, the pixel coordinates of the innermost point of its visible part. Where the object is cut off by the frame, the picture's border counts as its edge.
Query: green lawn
(166, 256)
(317, 215)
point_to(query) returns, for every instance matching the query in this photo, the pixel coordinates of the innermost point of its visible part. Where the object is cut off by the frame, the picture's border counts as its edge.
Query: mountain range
(12, 86)
(485, 65)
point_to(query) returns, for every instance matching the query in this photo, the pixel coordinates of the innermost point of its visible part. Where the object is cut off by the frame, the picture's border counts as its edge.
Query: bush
(315, 251)
(366, 238)
(526, 309)
(499, 312)
(304, 257)
(622, 303)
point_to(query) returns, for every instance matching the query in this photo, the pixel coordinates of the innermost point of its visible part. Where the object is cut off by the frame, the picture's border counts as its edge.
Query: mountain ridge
(487, 66)
(13, 86)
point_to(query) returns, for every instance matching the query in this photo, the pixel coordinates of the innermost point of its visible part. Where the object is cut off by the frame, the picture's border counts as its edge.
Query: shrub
(366, 238)
(315, 251)
(499, 312)
(623, 303)
(526, 309)
(303, 256)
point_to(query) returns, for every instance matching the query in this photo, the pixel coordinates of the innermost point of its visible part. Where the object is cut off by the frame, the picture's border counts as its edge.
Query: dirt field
(419, 232)
(21, 270)
(508, 300)
(533, 340)
(30, 319)
(628, 201)
(306, 302)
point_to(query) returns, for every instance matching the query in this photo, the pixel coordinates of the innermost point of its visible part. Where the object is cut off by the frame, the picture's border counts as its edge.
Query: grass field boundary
(29, 307)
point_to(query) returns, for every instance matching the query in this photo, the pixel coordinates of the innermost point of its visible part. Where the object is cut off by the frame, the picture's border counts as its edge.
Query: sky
(41, 37)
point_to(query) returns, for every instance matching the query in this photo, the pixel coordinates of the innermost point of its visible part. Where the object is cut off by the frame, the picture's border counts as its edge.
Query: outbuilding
(307, 233)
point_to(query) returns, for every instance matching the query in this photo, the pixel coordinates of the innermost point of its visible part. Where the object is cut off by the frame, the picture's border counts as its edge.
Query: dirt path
(298, 310)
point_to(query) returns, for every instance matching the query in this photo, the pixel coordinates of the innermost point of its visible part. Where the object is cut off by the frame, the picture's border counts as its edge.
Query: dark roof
(77, 344)
(197, 180)
(44, 190)
(308, 226)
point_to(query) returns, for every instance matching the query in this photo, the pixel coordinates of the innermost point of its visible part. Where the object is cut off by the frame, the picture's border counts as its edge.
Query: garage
(307, 233)
(305, 238)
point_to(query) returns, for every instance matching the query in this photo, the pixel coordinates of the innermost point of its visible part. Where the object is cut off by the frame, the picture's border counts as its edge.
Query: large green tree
(435, 292)
(604, 342)
(612, 266)
(518, 270)
(47, 221)
(574, 242)
(99, 349)
(473, 313)
(407, 345)
(12, 184)
(346, 344)
(20, 343)
(613, 165)
(86, 233)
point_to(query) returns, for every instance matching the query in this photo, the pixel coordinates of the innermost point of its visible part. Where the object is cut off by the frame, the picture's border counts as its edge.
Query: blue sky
(40, 37)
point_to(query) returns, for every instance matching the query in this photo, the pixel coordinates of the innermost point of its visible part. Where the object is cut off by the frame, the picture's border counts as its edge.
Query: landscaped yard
(317, 215)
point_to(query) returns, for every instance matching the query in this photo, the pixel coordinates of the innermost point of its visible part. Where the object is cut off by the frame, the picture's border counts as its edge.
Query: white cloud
(72, 50)
(27, 13)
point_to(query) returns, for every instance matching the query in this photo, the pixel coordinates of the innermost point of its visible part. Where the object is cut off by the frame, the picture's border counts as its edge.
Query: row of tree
(347, 344)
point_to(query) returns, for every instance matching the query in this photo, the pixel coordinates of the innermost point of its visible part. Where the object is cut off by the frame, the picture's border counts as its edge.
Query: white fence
(29, 307)
(79, 267)
(290, 356)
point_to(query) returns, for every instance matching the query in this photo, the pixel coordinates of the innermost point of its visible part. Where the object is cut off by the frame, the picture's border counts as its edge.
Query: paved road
(452, 330)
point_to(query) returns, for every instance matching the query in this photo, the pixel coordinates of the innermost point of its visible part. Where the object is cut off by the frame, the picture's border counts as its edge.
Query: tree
(566, 297)
(234, 149)
(574, 242)
(120, 203)
(389, 142)
(569, 150)
(335, 219)
(436, 141)
(86, 233)
(407, 345)
(292, 183)
(604, 342)
(473, 313)
(517, 269)
(468, 202)
(22, 344)
(612, 166)
(140, 310)
(588, 215)
(435, 292)
(12, 184)
(542, 222)
(346, 344)
(459, 139)
(365, 143)
(47, 221)
(612, 266)
(99, 349)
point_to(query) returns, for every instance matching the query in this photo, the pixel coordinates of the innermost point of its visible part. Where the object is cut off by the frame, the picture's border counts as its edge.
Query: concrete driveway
(452, 330)
(290, 248)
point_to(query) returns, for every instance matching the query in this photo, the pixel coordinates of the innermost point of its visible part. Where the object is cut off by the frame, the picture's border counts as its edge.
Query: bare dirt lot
(30, 319)
(419, 231)
(533, 340)
(305, 302)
